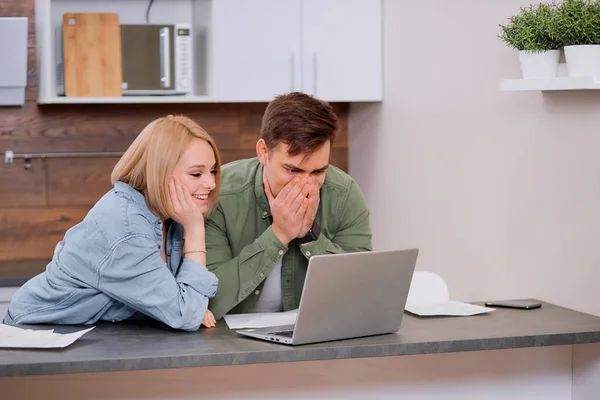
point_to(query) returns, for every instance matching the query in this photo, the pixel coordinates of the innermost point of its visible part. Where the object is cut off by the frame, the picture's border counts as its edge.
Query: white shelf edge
(561, 83)
(127, 100)
(168, 100)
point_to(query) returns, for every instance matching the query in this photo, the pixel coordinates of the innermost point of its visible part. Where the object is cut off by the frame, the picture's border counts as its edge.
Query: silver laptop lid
(354, 294)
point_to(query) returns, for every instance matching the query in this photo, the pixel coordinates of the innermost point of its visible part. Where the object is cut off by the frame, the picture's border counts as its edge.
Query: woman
(141, 247)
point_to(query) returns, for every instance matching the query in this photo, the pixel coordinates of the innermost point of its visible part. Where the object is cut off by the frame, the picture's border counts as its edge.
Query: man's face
(280, 167)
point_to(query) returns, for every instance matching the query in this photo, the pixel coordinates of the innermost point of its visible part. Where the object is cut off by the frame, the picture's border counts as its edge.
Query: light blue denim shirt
(109, 266)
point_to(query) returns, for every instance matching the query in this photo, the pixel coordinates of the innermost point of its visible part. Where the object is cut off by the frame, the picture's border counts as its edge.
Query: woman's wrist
(194, 227)
(194, 233)
(195, 245)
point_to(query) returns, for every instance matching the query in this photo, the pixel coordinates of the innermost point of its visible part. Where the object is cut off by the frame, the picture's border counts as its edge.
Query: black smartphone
(518, 304)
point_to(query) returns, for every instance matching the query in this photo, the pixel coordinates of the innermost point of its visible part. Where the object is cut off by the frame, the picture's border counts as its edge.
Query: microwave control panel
(183, 57)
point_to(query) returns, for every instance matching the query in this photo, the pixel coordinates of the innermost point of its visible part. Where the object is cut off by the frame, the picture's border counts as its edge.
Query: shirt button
(280, 252)
(158, 246)
(265, 213)
(307, 253)
(261, 275)
(257, 292)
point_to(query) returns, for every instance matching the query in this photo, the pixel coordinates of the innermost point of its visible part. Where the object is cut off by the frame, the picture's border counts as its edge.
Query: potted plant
(577, 28)
(530, 32)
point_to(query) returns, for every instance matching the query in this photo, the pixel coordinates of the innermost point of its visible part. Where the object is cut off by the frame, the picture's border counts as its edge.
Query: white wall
(499, 190)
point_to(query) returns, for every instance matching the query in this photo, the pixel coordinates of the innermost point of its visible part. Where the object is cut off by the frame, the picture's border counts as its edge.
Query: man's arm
(354, 233)
(238, 276)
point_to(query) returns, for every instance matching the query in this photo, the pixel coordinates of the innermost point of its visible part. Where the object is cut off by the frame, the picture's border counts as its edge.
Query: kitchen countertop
(136, 345)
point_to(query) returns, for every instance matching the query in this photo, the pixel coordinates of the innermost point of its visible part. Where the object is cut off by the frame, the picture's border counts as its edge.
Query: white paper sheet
(14, 337)
(260, 320)
(429, 296)
(446, 308)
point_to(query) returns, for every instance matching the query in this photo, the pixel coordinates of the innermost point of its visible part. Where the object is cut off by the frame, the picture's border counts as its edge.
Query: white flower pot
(583, 60)
(539, 65)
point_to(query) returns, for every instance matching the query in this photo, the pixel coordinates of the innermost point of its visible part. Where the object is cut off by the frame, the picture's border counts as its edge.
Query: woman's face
(196, 169)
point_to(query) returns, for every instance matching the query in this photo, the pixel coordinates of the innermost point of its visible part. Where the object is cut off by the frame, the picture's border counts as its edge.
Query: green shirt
(242, 248)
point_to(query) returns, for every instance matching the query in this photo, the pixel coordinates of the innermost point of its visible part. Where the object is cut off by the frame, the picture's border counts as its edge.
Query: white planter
(583, 60)
(539, 65)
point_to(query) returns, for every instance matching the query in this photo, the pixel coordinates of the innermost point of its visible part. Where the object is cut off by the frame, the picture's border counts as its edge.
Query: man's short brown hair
(299, 120)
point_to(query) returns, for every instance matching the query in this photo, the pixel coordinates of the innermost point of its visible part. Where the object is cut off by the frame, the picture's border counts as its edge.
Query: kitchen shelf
(555, 84)
(129, 100)
(49, 14)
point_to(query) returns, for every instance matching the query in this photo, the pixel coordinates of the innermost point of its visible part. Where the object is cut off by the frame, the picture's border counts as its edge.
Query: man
(281, 208)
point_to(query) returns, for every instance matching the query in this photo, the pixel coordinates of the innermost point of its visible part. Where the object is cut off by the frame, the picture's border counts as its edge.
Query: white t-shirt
(270, 299)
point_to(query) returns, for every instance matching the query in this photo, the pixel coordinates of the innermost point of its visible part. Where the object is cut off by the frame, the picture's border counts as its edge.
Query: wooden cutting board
(92, 55)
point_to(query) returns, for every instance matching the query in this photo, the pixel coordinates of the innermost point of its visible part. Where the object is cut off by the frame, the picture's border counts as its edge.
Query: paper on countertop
(19, 338)
(446, 308)
(428, 296)
(260, 320)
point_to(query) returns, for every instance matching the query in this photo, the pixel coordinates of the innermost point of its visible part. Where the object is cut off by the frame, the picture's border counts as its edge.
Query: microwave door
(148, 59)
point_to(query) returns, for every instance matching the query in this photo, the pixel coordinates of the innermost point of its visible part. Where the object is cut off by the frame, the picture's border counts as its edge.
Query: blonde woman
(140, 250)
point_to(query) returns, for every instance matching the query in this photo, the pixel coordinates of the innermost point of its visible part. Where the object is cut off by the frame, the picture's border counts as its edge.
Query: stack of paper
(261, 320)
(13, 337)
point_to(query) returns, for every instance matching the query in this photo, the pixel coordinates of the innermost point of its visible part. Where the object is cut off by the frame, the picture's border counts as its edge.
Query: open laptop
(347, 296)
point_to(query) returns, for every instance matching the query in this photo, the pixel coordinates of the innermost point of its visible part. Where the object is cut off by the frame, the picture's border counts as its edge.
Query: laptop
(347, 296)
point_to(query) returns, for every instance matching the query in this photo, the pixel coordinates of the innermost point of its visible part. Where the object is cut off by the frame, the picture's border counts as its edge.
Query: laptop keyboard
(283, 333)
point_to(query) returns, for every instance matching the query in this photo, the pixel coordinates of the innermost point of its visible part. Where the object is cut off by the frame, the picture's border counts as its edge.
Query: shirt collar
(259, 192)
(136, 196)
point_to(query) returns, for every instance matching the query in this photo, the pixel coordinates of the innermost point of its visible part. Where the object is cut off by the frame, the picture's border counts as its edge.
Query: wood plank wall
(39, 204)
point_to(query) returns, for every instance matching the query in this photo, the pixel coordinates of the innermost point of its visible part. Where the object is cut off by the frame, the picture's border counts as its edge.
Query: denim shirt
(109, 266)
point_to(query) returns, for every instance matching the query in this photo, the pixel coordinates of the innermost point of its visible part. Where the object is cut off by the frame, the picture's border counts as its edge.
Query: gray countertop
(139, 345)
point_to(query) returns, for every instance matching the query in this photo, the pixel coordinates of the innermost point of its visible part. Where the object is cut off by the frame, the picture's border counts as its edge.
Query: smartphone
(518, 304)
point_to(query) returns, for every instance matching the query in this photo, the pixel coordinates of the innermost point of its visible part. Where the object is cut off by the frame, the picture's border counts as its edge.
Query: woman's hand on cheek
(185, 208)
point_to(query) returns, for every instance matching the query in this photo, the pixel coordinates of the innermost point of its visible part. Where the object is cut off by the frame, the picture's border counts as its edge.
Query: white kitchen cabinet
(328, 48)
(256, 49)
(342, 53)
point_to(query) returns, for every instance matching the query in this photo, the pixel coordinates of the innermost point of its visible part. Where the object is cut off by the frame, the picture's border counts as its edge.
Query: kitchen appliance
(156, 60)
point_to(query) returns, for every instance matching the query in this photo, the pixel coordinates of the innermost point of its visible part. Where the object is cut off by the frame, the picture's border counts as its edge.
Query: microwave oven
(156, 59)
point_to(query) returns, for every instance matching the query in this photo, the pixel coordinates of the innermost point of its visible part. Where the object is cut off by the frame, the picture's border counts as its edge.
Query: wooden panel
(104, 127)
(339, 158)
(78, 181)
(22, 187)
(32, 233)
(228, 156)
(250, 116)
(341, 140)
(15, 273)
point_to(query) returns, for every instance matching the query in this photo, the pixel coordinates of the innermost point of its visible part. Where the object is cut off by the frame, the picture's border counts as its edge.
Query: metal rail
(10, 156)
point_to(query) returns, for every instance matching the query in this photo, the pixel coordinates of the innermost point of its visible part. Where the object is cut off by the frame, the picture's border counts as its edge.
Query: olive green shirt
(242, 248)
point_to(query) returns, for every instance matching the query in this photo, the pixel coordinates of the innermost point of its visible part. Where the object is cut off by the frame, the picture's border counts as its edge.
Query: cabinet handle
(292, 71)
(315, 73)
(165, 58)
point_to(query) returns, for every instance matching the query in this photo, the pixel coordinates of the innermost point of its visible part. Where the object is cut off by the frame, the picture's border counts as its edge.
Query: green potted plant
(577, 28)
(530, 32)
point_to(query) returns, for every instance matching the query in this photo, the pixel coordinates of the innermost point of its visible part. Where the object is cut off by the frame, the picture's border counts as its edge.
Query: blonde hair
(148, 163)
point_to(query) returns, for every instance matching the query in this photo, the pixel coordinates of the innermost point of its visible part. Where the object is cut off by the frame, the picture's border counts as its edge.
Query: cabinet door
(342, 49)
(256, 45)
